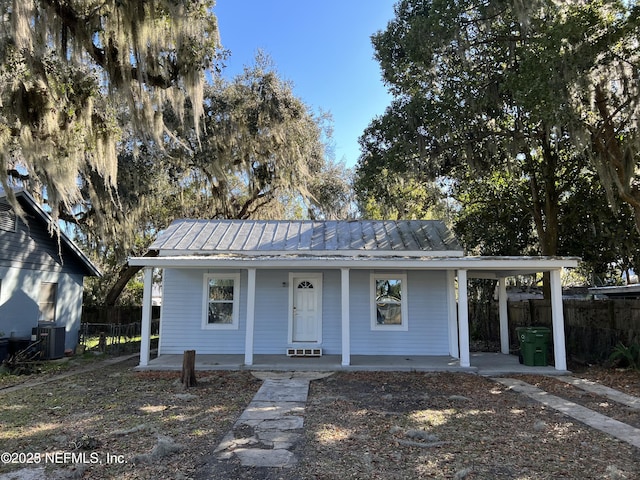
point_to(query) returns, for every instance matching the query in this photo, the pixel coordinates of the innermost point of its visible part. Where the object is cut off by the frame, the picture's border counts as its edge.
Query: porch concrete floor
(482, 363)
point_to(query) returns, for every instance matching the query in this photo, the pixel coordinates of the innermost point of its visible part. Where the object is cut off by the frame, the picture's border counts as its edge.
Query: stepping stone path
(270, 427)
(593, 387)
(613, 427)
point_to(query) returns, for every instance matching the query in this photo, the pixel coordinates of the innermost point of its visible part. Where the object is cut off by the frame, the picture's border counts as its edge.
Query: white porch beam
(476, 266)
(145, 321)
(504, 315)
(346, 338)
(463, 318)
(557, 319)
(454, 351)
(251, 316)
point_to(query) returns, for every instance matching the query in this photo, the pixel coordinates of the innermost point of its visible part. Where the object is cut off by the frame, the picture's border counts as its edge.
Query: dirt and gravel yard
(115, 423)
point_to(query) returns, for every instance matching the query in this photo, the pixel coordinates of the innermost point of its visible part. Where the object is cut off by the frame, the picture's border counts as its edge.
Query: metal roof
(427, 237)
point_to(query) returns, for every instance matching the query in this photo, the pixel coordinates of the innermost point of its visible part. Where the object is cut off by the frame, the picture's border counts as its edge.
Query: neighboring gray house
(342, 288)
(41, 278)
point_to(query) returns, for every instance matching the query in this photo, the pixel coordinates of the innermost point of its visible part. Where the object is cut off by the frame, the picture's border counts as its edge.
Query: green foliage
(395, 196)
(512, 102)
(265, 144)
(626, 356)
(494, 217)
(331, 193)
(603, 236)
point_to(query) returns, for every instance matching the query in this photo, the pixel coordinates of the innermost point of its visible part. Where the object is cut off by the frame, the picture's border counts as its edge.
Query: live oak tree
(391, 180)
(593, 48)
(601, 234)
(77, 77)
(104, 115)
(262, 142)
(449, 66)
(485, 87)
(262, 157)
(494, 219)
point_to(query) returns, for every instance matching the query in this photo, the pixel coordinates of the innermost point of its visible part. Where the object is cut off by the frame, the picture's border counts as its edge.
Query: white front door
(307, 295)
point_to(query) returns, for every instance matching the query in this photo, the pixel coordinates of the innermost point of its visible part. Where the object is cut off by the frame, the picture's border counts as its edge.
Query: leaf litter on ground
(373, 425)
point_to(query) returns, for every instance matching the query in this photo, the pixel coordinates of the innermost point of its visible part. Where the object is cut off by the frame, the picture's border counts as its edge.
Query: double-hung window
(221, 301)
(389, 302)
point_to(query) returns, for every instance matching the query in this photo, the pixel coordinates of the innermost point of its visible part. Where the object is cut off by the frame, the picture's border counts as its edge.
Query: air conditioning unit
(304, 352)
(51, 341)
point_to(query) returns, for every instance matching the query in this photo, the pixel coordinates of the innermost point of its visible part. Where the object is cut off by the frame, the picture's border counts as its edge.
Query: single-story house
(377, 288)
(41, 274)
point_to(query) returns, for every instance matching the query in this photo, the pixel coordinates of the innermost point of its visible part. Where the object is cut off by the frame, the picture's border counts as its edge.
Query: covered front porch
(458, 272)
(482, 363)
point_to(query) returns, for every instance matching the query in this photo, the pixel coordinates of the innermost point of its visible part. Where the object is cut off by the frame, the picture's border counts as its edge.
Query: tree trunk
(545, 205)
(125, 274)
(188, 377)
(613, 156)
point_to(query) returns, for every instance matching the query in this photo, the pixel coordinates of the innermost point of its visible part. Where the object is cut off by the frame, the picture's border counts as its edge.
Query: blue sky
(323, 48)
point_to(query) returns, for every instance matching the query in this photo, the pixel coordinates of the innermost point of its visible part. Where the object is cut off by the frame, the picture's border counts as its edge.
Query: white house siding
(428, 313)
(19, 295)
(181, 320)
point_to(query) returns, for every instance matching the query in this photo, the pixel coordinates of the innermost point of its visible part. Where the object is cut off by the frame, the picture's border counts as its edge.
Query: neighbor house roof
(29, 203)
(263, 237)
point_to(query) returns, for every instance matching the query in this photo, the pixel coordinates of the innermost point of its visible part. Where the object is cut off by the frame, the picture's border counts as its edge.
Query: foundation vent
(304, 352)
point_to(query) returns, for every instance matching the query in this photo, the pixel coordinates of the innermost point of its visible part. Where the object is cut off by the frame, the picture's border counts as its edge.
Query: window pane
(220, 289)
(389, 301)
(221, 313)
(220, 309)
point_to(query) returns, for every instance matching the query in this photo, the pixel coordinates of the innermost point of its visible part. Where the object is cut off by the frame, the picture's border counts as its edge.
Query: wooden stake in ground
(188, 377)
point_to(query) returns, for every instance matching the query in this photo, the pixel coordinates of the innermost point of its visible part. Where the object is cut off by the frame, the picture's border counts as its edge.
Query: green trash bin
(534, 345)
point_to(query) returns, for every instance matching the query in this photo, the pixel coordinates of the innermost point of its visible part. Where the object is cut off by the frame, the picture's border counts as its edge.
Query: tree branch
(125, 274)
(73, 24)
(16, 175)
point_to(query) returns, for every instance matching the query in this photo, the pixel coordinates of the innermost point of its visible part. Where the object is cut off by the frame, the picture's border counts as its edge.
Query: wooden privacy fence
(121, 315)
(592, 327)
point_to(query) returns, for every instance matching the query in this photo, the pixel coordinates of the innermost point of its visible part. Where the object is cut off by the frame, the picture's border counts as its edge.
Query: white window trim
(403, 302)
(236, 302)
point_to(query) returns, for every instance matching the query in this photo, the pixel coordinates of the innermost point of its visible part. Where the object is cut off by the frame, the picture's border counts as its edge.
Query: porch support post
(346, 339)
(504, 315)
(463, 318)
(251, 316)
(145, 321)
(557, 319)
(453, 314)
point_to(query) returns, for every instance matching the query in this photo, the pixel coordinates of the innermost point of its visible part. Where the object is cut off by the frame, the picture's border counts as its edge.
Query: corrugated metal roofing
(264, 236)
